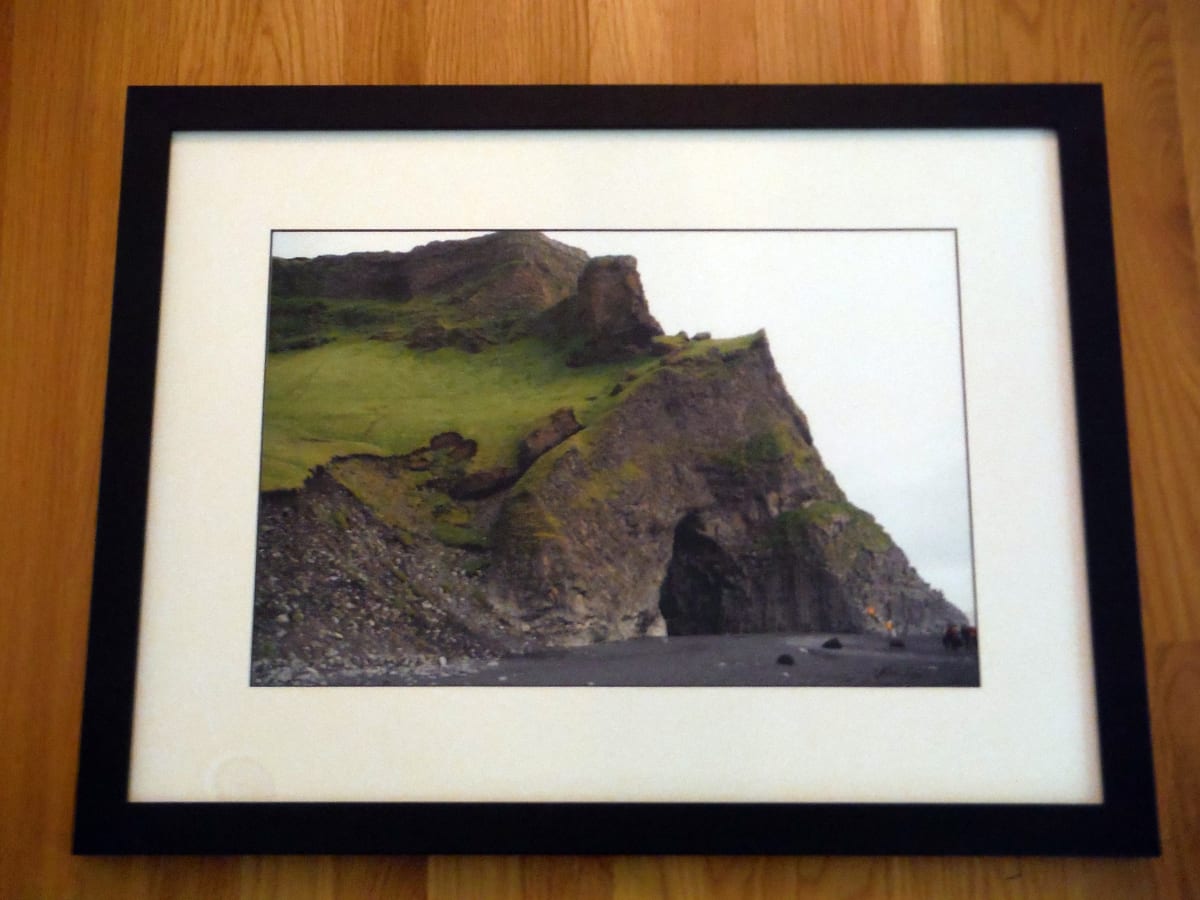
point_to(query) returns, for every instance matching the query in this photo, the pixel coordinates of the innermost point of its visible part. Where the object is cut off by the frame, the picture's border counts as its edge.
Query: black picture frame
(107, 822)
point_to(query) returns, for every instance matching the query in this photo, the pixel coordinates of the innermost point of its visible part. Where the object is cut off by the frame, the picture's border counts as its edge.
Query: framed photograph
(615, 470)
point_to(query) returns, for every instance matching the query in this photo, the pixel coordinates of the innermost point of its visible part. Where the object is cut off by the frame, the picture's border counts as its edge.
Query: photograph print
(614, 458)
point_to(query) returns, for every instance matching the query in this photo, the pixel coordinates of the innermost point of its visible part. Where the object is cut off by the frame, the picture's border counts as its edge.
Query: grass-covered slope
(350, 376)
(356, 395)
(462, 343)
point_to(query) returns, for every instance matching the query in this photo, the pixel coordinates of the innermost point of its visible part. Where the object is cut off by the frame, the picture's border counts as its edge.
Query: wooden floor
(63, 68)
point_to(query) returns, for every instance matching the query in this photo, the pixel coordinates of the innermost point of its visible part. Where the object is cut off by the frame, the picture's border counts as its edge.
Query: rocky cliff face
(688, 498)
(699, 505)
(494, 273)
(476, 292)
(607, 314)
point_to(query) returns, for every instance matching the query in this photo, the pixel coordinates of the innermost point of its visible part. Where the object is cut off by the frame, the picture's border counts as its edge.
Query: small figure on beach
(970, 637)
(952, 637)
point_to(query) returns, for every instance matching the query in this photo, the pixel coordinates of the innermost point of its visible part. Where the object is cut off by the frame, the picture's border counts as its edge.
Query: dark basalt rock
(612, 304)
(832, 644)
(548, 434)
(484, 483)
(609, 311)
(455, 446)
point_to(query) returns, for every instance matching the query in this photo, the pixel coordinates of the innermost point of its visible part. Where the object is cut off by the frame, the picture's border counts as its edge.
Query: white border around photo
(1027, 735)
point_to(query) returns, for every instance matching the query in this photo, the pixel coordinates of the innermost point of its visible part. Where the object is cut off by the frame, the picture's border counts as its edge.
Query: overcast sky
(864, 330)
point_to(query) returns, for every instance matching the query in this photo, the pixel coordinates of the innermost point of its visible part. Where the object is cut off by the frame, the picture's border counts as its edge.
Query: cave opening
(699, 584)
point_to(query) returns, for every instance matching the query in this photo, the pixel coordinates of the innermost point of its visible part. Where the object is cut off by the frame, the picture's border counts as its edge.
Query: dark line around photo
(590, 458)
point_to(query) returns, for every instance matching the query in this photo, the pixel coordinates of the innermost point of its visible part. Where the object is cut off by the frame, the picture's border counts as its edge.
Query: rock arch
(700, 591)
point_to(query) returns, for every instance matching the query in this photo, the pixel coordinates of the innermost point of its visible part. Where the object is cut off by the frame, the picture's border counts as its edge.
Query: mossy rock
(833, 534)
(460, 536)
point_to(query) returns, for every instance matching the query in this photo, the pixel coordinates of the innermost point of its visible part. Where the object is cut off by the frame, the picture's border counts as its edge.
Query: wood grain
(1184, 17)
(63, 68)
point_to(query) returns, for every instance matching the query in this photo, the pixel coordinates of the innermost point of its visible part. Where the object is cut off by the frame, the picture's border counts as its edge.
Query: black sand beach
(728, 660)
